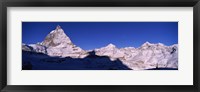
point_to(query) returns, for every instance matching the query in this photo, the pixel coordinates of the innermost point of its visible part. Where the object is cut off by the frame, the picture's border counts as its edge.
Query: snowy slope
(110, 50)
(58, 44)
(145, 57)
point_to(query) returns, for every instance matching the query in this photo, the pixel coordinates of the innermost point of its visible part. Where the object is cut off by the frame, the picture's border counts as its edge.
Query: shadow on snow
(40, 61)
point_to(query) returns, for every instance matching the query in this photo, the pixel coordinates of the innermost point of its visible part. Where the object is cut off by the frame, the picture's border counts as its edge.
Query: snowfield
(57, 52)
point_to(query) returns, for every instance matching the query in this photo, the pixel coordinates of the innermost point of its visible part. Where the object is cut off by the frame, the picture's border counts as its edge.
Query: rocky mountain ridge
(58, 44)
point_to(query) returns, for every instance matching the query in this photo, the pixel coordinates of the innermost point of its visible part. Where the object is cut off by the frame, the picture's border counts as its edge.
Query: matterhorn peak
(57, 43)
(58, 30)
(56, 37)
(58, 27)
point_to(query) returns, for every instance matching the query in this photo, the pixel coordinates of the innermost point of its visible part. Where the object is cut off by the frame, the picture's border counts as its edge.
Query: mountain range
(57, 46)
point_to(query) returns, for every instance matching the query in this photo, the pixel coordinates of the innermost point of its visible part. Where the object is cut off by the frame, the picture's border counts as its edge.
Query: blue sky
(91, 35)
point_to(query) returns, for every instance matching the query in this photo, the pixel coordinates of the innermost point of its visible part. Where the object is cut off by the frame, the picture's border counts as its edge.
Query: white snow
(147, 56)
(110, 50)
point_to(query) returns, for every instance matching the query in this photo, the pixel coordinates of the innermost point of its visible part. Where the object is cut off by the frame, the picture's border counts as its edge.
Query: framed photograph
(129, 45)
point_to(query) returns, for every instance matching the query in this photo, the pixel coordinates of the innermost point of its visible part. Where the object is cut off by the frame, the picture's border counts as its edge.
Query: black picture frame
(99, 3)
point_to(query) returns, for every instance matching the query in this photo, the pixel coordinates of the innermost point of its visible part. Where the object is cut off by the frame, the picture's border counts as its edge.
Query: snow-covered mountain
(147, 56)
(57, 43)
(110, 50)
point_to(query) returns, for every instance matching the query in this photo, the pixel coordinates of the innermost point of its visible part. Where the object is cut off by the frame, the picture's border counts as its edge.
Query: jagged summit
(146, 44)
(111, 46)
(110, 50)
(151, 44)
(160, 44)
(58, 27)
(57, 43)
(56, 37)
